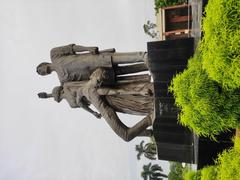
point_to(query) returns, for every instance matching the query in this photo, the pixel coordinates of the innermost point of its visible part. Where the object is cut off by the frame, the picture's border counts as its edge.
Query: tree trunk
(238, 133)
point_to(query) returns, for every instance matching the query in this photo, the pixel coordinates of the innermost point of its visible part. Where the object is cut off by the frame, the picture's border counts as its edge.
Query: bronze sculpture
(72, 63)
(99, 86)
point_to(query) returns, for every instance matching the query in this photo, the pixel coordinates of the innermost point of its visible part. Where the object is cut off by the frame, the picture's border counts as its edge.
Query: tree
(152, 172)
(176, 171)
(164, 3)
(149, 29)
(149, 150)
(192, 175)
(205, 107)
(221, 42)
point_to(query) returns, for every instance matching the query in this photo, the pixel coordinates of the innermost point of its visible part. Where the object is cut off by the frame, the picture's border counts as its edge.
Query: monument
(89, 76)
(108, 80)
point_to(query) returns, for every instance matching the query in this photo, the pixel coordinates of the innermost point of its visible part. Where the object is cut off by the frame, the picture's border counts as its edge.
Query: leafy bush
(164, 3)
(227, 167)
(208, 91)
(150, 29)
(209, 173)
(221, 43)
(176, 171)
(192, 175)
(229, 162)
(204, 106)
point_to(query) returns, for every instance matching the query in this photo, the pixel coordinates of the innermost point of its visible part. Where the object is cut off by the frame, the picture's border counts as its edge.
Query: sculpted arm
(88, 109)
(108, 113)
(78, 48)
(83, 103)
(70, 49)
(91, 49)
(61, 51)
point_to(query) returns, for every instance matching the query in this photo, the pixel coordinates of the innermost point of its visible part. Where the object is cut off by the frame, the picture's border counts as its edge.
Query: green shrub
(229, 163)
(204, 106)
(227, 166)
(192, 175)
(237, 144)
(221, 43)
(176, 171)
(209, 173)
(164, 3)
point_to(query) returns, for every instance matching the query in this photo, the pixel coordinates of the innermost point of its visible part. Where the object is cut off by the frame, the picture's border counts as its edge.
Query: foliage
(237, 143)
(209, 173)
(152, 172)
(192, 175)
(227, 166)
(221, 43)
(176, 171)
(205, 106)
(165, 3)
(149, 29)
(229, 162)
(149, 150)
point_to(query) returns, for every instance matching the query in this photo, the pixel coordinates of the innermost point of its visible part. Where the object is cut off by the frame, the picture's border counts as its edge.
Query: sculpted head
(57, 93)
(44, 69)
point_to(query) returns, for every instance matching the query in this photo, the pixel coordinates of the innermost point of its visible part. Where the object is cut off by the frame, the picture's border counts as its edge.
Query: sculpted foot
(145, 59)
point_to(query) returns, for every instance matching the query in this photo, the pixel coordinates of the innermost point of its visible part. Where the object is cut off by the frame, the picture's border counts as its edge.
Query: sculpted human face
(43, 69)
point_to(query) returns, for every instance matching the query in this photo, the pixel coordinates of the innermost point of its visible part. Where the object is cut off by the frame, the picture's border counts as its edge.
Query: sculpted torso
(77, 67)
(88, 76)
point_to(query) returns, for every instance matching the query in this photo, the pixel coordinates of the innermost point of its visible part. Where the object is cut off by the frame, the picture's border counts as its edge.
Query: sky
(44, 140)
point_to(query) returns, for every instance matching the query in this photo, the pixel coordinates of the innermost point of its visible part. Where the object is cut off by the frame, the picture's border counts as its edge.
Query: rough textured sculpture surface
(73, 63)
(93, 78)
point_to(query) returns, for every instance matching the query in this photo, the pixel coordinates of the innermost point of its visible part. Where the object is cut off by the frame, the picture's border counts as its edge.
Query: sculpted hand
(97, 77)
(97, 115)
(95, 50)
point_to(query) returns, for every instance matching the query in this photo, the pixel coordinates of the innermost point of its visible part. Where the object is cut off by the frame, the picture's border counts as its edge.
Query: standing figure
(131, 99)
(77, 63)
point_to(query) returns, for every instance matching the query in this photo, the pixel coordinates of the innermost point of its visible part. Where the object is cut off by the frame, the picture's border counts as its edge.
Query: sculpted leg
(132, 57)
(147, 133)
(108, 113)
(128, 69)
(136, 130)
(145, 89)
(115, 123)
(113, 120)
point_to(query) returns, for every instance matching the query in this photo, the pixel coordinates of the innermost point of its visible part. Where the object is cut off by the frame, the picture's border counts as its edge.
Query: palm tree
(149, 150)
(152, 172)
(150, 29)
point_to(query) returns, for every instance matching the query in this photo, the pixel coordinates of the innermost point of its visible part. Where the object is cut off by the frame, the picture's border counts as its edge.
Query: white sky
(43, 140)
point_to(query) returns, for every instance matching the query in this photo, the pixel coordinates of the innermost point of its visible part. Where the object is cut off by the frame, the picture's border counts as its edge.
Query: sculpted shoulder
(58, 52)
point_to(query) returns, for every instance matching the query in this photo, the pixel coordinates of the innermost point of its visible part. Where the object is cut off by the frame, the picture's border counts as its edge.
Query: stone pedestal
(175, 142)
